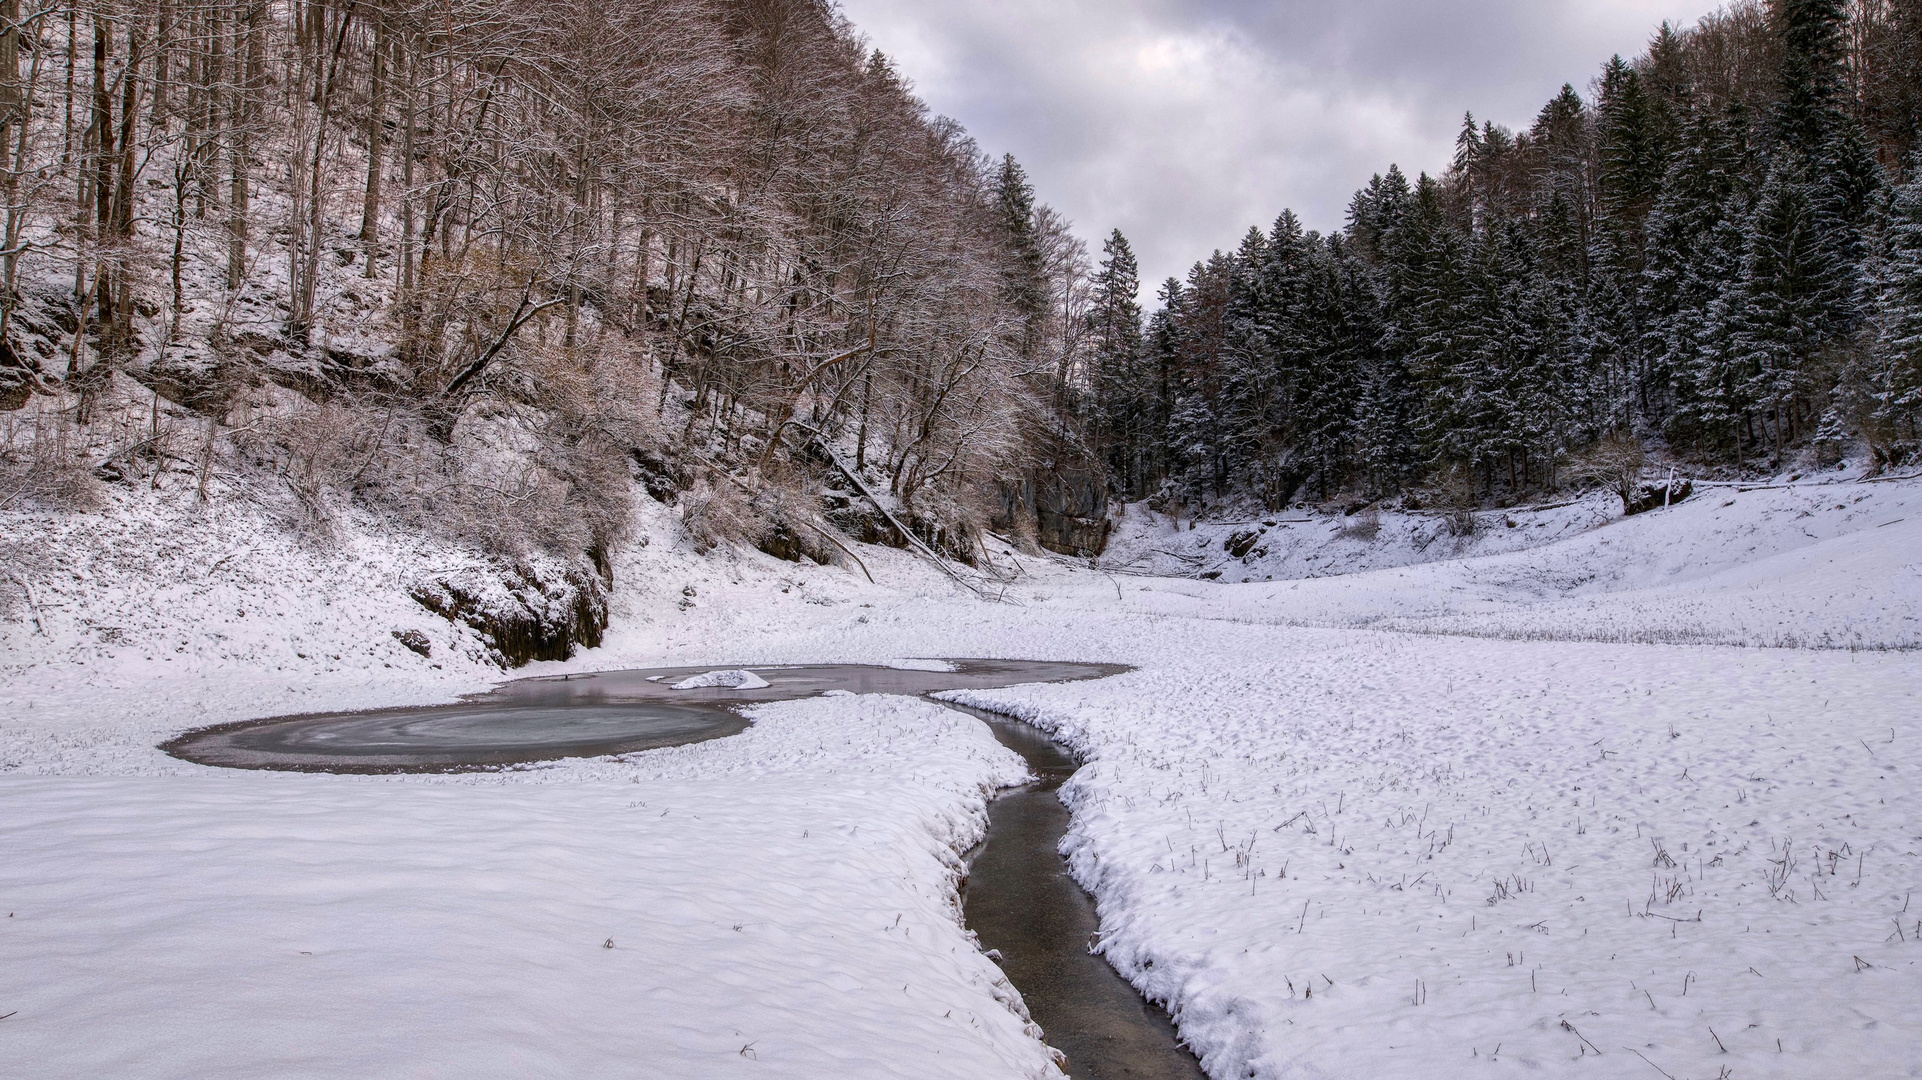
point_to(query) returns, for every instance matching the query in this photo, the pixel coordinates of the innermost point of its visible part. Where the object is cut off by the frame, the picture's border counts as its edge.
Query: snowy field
(1600, 798)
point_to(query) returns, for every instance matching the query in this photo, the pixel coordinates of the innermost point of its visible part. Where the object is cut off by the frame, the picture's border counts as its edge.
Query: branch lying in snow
(825, 534)
(1584, 1038)
(849, 552)
(1741, 486)
(1651, 1064)
(33, 609)
(912, 539)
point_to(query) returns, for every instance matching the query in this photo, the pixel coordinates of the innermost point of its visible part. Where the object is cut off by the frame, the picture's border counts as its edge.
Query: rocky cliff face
(1067, 506)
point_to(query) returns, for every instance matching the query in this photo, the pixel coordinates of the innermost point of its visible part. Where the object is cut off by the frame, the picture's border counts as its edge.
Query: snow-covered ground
(1831, 565)
(581, 921)
(1504, 813)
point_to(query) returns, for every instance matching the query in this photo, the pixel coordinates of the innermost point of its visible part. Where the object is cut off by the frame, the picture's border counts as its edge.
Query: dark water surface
(1018, 896)
(1021, 901)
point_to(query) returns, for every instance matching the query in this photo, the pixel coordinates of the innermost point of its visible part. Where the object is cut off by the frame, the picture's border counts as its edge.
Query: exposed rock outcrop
(1068, 508)
(1659, 494)
(526, 612)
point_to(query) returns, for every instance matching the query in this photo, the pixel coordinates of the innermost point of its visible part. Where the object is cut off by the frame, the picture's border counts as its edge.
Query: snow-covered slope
(1826, 566)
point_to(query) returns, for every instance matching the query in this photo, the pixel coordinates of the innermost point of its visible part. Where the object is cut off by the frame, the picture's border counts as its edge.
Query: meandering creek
(1018, 896)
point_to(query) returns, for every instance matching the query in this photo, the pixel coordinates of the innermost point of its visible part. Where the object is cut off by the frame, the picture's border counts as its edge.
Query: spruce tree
(1344, 311)
(1249, 374)
(1812, 80)
(1686, 258)
(1377, 288)
(1822, 141)
(1162, 345)
(1792, 281)
(1201, 444)
(1024, 275)
(1559, 142)
(1124, 398)
(1895, 284)
(1693, 262)
(1632, 155)
(1437, 295)
(1374, 213)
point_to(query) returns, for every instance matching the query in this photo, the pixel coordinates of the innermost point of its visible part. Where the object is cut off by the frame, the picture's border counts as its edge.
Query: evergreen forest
(1715, 253)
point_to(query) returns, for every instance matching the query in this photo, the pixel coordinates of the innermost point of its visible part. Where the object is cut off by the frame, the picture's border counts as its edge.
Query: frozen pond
(568, 716)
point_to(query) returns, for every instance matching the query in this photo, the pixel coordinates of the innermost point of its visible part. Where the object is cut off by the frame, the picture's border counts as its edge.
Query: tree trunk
(377, 107)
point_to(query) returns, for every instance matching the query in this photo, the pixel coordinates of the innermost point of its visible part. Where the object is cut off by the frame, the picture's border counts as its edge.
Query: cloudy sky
(1182, 123)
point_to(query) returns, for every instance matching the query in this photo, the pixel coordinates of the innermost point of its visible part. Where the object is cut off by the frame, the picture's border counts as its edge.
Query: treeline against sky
(1719, 249)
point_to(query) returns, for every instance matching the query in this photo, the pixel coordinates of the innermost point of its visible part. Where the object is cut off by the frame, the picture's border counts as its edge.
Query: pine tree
(1024, 276)
(1693, 261)
(1895, 284)
(1124, 397)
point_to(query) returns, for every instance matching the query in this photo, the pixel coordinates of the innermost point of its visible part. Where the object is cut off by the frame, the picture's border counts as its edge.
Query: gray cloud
(1184, 123)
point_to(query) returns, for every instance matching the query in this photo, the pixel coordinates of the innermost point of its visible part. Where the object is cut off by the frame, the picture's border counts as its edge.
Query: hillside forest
(481, 269)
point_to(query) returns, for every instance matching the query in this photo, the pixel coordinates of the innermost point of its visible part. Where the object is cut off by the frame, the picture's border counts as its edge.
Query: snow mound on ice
(736, 679)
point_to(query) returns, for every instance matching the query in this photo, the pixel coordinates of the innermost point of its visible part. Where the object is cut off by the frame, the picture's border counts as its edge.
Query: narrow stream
(1021, 901)
(1018, 896)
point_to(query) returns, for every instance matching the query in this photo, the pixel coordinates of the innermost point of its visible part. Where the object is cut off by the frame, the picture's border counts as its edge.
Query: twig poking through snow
(1651, 1064)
